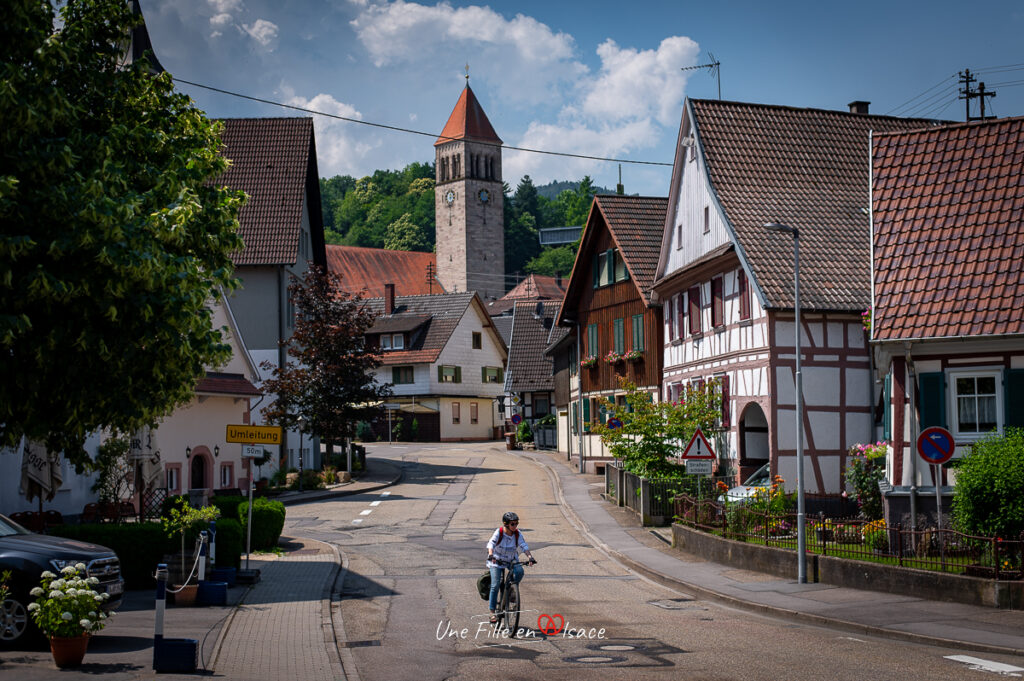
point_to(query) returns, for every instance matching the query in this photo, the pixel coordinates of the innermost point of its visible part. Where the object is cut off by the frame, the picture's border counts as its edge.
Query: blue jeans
(496, 575)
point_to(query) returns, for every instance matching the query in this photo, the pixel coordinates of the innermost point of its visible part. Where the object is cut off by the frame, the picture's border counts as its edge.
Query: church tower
(468, 202)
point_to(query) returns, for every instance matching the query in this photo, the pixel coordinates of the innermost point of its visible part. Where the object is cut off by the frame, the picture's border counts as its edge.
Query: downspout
(915, 426)
(579, 408)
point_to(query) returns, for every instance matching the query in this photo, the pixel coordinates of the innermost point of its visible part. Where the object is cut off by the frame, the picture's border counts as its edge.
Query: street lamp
(801, 527)
(300, 419)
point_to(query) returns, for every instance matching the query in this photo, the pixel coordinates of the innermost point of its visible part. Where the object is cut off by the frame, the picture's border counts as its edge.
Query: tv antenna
(713, 68)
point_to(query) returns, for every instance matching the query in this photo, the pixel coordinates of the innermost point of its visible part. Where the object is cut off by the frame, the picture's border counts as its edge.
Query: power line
(411, 131)
(916, 97)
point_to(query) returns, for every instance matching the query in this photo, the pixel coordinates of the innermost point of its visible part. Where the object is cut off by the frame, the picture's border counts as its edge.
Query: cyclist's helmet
(509, 517)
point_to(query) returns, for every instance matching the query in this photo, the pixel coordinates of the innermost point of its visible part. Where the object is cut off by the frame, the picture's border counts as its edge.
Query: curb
(331, 494)
(732, 601)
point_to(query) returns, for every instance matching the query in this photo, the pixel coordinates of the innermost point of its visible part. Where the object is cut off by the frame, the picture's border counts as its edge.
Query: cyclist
(505, 545)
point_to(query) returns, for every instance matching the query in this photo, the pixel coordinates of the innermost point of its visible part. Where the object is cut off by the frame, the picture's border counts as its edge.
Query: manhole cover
(616, 648)
(595, 659)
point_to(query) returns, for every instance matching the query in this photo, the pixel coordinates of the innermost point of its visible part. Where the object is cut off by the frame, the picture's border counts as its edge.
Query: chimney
(389, 299)
(859, 107)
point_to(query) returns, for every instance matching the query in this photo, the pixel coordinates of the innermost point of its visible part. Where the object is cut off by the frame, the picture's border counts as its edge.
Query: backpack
(483, 584)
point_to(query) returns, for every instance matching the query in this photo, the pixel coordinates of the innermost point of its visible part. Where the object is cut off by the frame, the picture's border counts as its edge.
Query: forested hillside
(395, 209)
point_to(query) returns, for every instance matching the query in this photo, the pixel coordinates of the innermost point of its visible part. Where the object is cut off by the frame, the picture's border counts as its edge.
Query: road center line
(375, 503)
(385, 494)
(366, 512)
(356, 521)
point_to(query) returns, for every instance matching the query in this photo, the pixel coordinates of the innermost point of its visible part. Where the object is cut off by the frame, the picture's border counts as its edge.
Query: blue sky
(597, 78)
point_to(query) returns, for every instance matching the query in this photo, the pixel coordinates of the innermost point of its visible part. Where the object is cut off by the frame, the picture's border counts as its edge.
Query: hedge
(139, 546)
(267, 522)
(228, 506)
(230, 542)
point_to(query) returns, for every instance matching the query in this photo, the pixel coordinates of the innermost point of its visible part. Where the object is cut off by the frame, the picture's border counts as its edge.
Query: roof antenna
(619, 189)
(713, 68)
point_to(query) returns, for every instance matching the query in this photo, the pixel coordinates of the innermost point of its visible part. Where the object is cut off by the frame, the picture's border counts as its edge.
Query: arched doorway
(200, 470)
(754, 451)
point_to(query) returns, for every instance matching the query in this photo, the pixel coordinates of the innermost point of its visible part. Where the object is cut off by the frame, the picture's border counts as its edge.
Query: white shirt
(506, 546)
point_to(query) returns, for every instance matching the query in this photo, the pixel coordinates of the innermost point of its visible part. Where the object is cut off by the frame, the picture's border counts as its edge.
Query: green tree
(653, 433)
(404, 235)
(113, 235)
(328, 379)
(987, 497)
(552, 261)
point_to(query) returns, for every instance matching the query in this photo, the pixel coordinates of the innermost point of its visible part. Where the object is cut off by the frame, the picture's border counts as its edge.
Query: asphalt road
(409, 608)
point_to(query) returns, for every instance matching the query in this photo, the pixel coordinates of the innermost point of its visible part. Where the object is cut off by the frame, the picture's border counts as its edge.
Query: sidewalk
(881, 614)
(379, 475)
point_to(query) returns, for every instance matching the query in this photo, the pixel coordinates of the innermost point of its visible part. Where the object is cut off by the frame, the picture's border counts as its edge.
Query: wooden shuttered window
(1013, 404)
(619, 334)
(725, 401)
(638, 332)
(586, 415)
(887, 407)
(681, 314)
(449, 374)
(931, 399)
(592, 344)
(717, 304)
(744, 291)
(693, 297)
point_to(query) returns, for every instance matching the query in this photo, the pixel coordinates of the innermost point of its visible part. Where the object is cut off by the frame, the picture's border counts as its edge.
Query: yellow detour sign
(262, 435)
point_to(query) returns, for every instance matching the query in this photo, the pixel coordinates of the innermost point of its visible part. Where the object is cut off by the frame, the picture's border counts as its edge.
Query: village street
(413, 552)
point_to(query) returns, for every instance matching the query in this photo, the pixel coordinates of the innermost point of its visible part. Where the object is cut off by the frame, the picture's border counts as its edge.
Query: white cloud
(639, 83)
(262, 31)
(225, 6)
(222, 19)
(340, 149)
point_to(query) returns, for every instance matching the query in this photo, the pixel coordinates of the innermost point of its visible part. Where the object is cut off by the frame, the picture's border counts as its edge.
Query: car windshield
(8, 527)
(760, 478)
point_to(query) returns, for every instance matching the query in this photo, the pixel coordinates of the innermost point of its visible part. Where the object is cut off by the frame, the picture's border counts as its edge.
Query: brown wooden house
(608, 303)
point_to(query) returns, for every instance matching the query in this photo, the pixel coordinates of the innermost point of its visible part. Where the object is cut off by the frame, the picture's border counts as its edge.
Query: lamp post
(801, 526)
(300, 419)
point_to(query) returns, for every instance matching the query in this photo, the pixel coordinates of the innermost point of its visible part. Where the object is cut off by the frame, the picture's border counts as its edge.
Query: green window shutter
(575, 417)
(1014, 398)
(597, 270)
(586, 415)
(638, 332)
(592, 347)
(440, 374)
(887, 407)
(610, 264)
(501, 375)
(932, 399)
(483, 374)
(394, 375)
(458, 374)
(620, 335)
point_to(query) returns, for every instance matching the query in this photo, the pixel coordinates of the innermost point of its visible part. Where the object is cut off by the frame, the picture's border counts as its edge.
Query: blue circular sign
(936, 445)
(517, 419)
(614, 423)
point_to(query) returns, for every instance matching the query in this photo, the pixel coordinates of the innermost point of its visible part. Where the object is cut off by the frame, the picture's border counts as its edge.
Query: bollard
(213, 543)
(203, 539)
(161, 606)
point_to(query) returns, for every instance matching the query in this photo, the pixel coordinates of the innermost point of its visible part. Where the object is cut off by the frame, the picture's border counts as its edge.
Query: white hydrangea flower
(106, 596)
(92, 614)
(92, 580)
(103, 616)
(80, 566)
(47, 575)
(56, 594)
(67, 616)
(85, 624)
(38, 591)
(68, 570)
(57, 584)
(32, 607)
(97, 598)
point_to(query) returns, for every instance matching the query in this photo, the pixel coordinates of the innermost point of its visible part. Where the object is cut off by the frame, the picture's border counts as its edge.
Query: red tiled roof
(366, 270)
(948, 235)
(227, 384)
(806, 168)
(636, 224)
(528, 367)
(537, 287)
(271, 162)
(442, 313)
(468, 121)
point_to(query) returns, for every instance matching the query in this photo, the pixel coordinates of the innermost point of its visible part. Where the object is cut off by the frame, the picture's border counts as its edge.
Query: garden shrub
(524, 433)
(267, 522)
(364, 433)
(139, 546)
(310, 480)
(987, 498)
(865, 470)
(228, 506)
(230, 542)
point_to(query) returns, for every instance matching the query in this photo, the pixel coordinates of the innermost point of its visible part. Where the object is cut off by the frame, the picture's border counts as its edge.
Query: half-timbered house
(727, 283)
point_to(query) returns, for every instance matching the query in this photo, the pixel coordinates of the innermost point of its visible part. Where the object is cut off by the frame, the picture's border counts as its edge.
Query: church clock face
(484, 195)
(449, 197)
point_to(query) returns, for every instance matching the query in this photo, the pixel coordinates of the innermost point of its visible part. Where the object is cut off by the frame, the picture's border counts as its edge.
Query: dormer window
(392, 341)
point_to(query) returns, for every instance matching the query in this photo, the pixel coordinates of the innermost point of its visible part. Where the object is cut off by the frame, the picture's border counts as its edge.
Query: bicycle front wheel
(513, 606)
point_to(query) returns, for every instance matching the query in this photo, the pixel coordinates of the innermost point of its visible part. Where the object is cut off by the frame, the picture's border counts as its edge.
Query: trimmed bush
(987, 497)
(228, 506)
(230, 542)
(139, 546)
(267, 522)
(310, 480)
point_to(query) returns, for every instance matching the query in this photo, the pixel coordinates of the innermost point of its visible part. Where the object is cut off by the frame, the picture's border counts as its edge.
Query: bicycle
(510, 603)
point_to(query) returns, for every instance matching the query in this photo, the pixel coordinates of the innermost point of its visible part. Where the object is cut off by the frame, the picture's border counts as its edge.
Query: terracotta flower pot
(187, 596)
(68, 652)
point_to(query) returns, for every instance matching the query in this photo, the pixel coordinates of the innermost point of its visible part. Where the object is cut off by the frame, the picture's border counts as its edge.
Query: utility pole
(967, 94)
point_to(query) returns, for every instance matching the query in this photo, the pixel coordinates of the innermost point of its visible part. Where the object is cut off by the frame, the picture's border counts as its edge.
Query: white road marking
(366, 512)
(851, 638)
(385, 494)
(356, 521)
(978, 664)
(375, 503)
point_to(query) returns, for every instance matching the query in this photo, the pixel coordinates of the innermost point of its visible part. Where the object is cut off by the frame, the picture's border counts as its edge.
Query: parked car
(27, 555)
(761, 478)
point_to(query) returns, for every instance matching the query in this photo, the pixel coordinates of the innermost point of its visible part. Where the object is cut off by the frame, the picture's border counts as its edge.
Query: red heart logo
(546, 623)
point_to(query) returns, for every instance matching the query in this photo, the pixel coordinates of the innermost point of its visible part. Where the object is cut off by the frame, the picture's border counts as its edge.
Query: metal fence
(937, 550)
(545, 437)
(651, 499)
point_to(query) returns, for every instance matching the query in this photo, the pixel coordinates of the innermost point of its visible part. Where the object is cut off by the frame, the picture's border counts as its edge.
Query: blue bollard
(175, 655)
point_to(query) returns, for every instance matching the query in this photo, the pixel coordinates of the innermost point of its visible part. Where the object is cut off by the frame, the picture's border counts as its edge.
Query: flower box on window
(614, 358)
(588, 362)
(634, 355)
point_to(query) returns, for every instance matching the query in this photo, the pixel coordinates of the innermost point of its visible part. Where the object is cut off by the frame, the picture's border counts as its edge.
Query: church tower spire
(468, 202)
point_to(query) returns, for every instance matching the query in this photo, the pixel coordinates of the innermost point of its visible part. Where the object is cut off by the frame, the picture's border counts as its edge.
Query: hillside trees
(112, 237)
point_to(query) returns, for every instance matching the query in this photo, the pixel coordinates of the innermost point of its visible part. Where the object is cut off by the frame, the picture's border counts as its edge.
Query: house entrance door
(198, 478)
